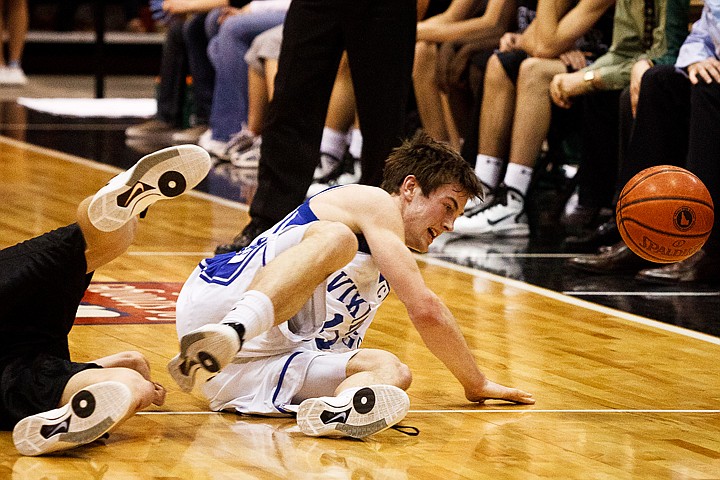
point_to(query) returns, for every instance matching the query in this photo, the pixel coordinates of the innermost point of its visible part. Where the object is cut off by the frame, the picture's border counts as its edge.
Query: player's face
(428, 216)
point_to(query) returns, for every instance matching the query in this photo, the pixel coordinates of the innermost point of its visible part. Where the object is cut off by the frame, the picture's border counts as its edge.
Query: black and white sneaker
(356, 412)
(89, 414)
(504, 216)
(345, 172)
(166, 173)
(211, 347)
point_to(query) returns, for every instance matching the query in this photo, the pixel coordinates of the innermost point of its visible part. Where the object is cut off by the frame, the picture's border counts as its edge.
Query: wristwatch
(589, 77)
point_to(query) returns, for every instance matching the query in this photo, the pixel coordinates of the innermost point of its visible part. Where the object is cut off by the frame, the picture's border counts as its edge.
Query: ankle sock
(518, 177)
(488, 170)
(356, 142)
(333, 143)
(254, 311)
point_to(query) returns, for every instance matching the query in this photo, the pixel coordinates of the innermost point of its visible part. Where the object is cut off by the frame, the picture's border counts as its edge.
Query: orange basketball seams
(665, 214)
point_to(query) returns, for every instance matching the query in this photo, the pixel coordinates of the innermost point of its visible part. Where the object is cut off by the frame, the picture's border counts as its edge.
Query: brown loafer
(617, 258)
(700, 267)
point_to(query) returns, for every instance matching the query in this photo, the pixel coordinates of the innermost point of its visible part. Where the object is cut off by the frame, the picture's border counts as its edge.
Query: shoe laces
(337, 170)
(407, 430)
(242, 140)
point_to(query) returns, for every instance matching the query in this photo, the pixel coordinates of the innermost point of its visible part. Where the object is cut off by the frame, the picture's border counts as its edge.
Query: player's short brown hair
(433, 164)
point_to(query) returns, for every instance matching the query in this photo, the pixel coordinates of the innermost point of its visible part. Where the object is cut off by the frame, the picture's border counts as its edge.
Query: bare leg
(271, 67)
(373, 367)
(497, 111)
(17, 28)
(103, 247)
(290, 279)
(532, 109)
(2, 33)
(258, 100)
(341, 110)
(454, 137)
(427, 94)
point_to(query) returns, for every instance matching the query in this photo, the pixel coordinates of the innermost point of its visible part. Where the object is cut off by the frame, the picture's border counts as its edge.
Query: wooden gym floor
(619, 393)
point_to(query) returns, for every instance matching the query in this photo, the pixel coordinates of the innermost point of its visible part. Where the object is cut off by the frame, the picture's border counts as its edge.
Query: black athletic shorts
(511, 62)
(34, 384)
(42, 282)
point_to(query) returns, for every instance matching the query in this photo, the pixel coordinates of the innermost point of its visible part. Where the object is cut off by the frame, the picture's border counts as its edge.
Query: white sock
(356, 142)
(333, 143)
(254, 311)
(488, 169)
(518, 177)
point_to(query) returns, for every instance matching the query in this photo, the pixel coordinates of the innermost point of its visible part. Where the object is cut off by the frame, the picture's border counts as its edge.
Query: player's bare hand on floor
(495, 391)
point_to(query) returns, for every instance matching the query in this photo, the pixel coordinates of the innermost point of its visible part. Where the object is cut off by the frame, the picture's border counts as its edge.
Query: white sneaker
(13, 76)
(89, 414)
(348, 174)
(211, 347)
(328, 164)
(216, 148)
(241, 142)
(505, 216)
(248, 158)
(356, 412)
(166, 173)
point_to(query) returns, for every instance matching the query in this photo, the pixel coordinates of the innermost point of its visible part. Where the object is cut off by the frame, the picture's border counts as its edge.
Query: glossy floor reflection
(538, 261)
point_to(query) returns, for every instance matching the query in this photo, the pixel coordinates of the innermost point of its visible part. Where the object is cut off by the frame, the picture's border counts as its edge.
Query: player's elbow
(427, 312)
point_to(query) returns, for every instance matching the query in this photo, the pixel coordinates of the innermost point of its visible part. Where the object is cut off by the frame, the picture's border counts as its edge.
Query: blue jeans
(227, 53)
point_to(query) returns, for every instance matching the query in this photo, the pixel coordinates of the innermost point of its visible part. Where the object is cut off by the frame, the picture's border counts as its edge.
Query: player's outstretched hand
(495, 391)
(159, 394)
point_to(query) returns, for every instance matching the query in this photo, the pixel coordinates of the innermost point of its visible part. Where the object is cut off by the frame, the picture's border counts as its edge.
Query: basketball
(664, 214)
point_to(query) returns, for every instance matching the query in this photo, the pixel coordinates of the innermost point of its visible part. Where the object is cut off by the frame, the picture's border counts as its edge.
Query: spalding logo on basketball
(665, 214)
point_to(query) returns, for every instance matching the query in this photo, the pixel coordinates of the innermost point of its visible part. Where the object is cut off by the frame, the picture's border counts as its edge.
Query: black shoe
(244, 238)
(700, 267)
(615, 259)
(605, 234)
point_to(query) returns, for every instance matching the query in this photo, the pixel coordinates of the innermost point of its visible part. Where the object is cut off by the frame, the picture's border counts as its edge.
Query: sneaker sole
(89, 414)
(212, 349)
(371, 410)
(164, 174)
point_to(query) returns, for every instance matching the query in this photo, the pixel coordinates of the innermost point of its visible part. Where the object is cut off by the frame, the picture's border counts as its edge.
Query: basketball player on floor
(280, 323)
(54, 403)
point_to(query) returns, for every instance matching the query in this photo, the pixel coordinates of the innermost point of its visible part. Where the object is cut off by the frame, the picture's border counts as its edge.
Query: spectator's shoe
(164, 174)
(476, 204)
(89, 415)
(346, 173)
(576, 216)
(216, 148)
(249, 157)
(188, 135)
(244, 238)
(699, 268)
(241, 142)
(356, 412)
(505, 217)
(211, 347)
(605, 234)
(12, 76)
(617, 258)
(150, 130)
(327, 166)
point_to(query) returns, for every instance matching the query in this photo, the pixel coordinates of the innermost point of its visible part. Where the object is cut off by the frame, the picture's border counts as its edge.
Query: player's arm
(383, 229)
